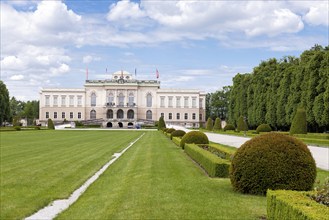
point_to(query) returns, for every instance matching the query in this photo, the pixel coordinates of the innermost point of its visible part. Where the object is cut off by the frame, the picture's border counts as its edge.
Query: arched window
(109, 113)
(131, 99)
(149, 115)
(130, 114)
(110, 99)
(93, 99)
(121, 100)
(149, 100)
(92, 114)
(120, 114)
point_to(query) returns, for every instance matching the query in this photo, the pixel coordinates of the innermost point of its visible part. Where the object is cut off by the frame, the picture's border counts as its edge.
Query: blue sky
(193, 44)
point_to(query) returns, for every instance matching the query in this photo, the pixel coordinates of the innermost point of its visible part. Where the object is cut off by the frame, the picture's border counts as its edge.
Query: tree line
(13, 110)
(275, 89)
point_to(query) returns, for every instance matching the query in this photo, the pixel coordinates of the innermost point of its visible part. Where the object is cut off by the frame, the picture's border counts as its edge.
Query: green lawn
(40, 166)
(156, 180)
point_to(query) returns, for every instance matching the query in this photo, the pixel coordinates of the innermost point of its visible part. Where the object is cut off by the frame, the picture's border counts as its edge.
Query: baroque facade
(123, 101)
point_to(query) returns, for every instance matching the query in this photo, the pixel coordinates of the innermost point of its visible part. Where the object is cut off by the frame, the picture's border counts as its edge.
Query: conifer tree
(299, 124)
(209, 125)
(161, 124)
(242, 124)
(217, 125)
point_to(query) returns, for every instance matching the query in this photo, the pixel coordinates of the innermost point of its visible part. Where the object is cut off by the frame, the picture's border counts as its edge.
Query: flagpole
(87, 73)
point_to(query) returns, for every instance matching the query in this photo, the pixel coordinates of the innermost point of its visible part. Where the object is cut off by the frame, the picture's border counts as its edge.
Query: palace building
(123, 101)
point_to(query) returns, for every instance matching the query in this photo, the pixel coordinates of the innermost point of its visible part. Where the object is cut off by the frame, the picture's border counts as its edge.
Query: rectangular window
(71, 100)
(170, 116)
(200, 103)
(193, 116)
(55, 114)
(63, 104)
(193, 102)
(47, 114)
(177, 102)
(71, 115)
(63, 114)
(185, 102)
(186, 116)
(79, 115)
(170, 101)
(47, 100)
(79, 100)
(162, 101)
(55, 103)
(162, 115)
(177, 116)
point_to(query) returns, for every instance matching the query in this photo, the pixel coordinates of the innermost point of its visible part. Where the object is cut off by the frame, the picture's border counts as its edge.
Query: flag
(157, 74)
(87, 73)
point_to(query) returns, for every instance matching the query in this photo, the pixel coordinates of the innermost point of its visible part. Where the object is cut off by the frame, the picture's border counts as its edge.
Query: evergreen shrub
(229, 127)
(242, 125)
(51, 124)
(209, 124)
(299, 124)
(217, 125)
(17, 128)
(170, 130)
(161, 123)
(177, 133)
(263, 128)
(196, 137)
(36, 128)
(272, 161)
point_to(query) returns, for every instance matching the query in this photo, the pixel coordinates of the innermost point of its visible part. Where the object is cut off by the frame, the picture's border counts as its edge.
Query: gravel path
(320, 154)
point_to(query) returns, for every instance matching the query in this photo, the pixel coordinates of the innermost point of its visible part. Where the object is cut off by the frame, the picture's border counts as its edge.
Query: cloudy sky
(193, 44)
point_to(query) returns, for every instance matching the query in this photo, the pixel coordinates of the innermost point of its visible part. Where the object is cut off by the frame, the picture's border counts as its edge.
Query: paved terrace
(320, 154)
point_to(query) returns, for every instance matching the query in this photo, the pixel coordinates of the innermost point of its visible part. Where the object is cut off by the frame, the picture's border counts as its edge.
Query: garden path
(320, 154)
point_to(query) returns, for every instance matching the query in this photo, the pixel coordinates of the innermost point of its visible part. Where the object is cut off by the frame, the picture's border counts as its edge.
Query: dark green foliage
(165, 129)
(161, 124)
(299, 124)
(50, 124)
(195, 137)
(217, 125)
(273, 91)
(209, 124)
(218, 150)
(36, 128)
(229, 127)
(17, 128)
(263, 128)
(177, 133)
(242, 124)
(284, 204)
(213, 165)
(321, 194)
(4, 104)
(78, 123)
(217, 103)
(170, 130)
(272, 161)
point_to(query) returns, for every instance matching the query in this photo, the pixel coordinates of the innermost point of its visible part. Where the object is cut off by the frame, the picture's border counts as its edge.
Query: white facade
(123, 101)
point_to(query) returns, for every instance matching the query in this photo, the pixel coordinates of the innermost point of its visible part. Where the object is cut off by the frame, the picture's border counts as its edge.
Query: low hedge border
(168, 134)
(220, 151)
(176, 140)
(286, 204)
(213, 165)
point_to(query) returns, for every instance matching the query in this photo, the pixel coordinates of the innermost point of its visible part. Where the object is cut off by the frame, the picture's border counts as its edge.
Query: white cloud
(125, 10)
(63, 68)
(318, 15)
(17, 77)
(88, 59)
(12, 63)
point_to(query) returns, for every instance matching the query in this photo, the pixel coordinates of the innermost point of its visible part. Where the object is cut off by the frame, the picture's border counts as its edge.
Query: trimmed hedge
(161, 124)
(242, 125)
(263, 128)
(213, 165)
(170, 130)
(283, 204)
(176, 140)
(50, 124)
(272, 161)
(177, 133)
(229, 127)
(299, 123)
(196, 137)
(219, 151)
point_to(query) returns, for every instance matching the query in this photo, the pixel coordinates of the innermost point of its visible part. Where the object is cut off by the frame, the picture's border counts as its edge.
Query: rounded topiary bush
(177, 133)
(165, 129)
(272, 161)
(229, 127)
(263, 128)
(196, 137)
(170, 130)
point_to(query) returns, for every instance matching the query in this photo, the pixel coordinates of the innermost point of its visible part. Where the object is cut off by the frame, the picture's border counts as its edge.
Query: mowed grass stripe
(156, 180)
(38, 167)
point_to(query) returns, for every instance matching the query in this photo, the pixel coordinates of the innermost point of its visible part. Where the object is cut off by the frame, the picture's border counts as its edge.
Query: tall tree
(4, 104)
